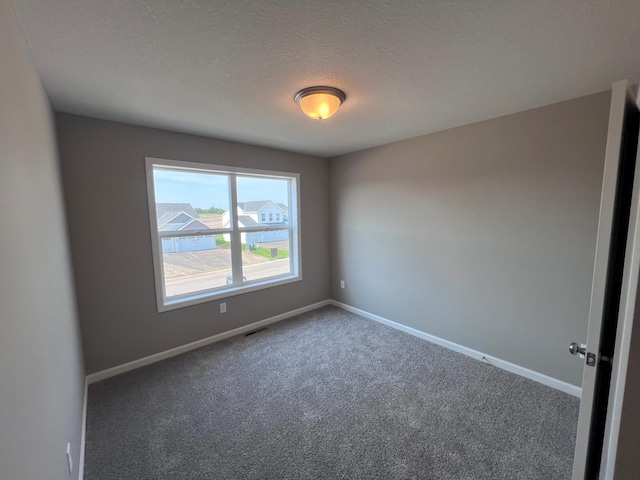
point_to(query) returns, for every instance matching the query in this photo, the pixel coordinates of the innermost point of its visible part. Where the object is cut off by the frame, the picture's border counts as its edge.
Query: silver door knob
(576, 349)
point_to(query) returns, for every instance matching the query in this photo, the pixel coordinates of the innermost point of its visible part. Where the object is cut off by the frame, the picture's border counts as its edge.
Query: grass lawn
(221, 242)
(266, 252)
(262, 251)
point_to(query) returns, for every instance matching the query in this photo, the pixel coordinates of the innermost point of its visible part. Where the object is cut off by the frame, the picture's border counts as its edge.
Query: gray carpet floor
(327, 394)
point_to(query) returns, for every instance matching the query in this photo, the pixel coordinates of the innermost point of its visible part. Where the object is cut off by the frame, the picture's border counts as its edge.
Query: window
(263, 217)
(271, 217)
(206, 238)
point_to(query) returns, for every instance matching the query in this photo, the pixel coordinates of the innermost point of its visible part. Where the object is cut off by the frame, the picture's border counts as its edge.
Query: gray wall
(105, 187)
(483, 235)
(41, 374)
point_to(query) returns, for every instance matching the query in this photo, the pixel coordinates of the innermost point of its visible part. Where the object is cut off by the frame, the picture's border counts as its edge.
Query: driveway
(177, 286)
(184, 264)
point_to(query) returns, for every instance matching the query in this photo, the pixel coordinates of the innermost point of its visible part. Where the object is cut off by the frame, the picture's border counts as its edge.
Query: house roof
(174, 217)
(257, 205)
(193, 224)
(247, 221)
(168, 211)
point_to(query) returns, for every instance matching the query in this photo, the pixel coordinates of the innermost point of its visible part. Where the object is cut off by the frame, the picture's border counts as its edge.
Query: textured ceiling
(230, 69)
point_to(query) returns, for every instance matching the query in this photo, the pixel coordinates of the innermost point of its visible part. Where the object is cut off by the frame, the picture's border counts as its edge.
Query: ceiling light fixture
(319, 102)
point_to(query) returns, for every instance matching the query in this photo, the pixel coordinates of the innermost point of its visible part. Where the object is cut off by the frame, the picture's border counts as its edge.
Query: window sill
(202, 297)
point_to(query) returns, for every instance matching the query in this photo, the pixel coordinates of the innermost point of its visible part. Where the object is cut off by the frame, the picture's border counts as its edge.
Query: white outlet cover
(223, 307)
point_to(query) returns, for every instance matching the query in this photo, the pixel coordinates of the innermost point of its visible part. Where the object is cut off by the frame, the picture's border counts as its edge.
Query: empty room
(317, 240)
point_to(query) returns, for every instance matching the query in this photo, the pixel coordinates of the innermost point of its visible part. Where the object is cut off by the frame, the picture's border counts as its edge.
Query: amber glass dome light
(320, 102)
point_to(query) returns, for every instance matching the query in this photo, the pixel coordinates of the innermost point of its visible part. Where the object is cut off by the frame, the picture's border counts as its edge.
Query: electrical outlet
(69, 459)
(223, 307)
(341, 283)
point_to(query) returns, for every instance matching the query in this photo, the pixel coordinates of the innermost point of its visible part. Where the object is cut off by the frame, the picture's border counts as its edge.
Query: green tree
(210, 210)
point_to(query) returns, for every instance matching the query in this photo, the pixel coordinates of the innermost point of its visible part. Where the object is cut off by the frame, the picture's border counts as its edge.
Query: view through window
(220, 230)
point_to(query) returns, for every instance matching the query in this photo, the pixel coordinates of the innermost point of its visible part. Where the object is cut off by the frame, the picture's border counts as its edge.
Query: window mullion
(191, 233)
(236, 239)
(265, 228)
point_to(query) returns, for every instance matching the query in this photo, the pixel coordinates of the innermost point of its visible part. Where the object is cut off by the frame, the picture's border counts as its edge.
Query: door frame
(628, 303)
(623, 93)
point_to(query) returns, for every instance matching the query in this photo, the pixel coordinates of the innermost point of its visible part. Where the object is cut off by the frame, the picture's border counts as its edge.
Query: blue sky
(206, 190)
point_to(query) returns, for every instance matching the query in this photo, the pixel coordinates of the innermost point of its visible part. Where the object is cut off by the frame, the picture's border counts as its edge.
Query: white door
(615, 279)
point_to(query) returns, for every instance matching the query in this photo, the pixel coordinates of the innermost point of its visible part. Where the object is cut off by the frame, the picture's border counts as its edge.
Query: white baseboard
(503, 364)
(141, 362)
(83, 432)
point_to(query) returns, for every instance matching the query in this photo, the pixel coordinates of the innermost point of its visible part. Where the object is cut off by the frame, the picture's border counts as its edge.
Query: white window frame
(239, 285)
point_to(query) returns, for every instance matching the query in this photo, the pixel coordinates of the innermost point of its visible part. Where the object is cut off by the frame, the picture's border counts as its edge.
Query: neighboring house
(182, 217)
(259, 213)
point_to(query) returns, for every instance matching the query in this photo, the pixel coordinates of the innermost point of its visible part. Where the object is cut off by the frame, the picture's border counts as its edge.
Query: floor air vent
(255, 331)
